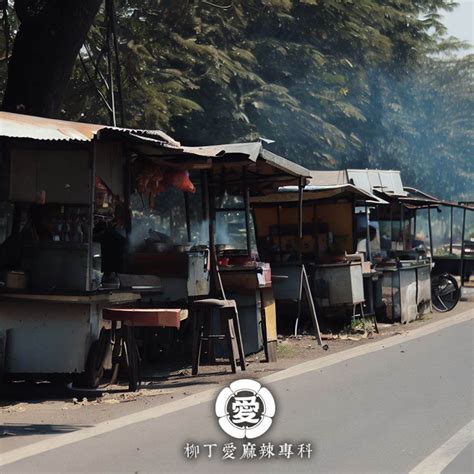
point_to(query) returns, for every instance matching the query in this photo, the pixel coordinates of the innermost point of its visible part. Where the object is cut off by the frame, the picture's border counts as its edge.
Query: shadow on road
(25, 429)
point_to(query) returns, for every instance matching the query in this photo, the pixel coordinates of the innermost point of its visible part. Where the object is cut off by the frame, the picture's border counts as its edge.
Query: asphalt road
(386, 411)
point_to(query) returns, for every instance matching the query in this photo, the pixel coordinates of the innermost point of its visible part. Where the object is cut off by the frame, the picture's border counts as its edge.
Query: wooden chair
(203, 311)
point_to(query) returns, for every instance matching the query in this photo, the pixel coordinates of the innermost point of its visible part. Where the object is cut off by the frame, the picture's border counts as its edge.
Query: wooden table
(124, 342)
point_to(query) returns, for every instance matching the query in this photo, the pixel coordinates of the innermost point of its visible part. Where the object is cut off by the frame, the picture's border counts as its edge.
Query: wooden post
(451, 231)
(279, 232)
(402, 225)
(463, 236)
(247, 210)
(300, 217)
(212, 237)
(300, 246)
(367, 218)
(431, 232)
(391, 225)
(414, 224)
(127, 185)
(90, 234)
(188, 217)
(205, 198)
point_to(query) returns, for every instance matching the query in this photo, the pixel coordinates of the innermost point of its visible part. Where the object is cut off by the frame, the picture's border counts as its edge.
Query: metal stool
(229, 319)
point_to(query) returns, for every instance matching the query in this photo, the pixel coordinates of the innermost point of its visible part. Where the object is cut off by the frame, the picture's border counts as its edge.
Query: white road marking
(439, 459)
(58, 441)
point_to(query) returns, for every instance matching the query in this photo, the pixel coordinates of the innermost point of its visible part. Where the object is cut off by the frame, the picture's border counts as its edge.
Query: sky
(460, 22)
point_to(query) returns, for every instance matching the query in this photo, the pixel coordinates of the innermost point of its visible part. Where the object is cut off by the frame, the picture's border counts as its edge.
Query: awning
(152, 143)
(312, 193)
(253, 151)
(41, 128)
(419, 199)
(386, 182)
(328, 178)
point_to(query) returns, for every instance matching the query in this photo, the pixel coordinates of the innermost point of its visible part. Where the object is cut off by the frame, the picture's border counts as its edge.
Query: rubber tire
(437, 305)
(95, 360)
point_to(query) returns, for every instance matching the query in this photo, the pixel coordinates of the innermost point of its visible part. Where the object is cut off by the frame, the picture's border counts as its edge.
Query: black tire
(132, 361)
(95, 360)
(445, 293)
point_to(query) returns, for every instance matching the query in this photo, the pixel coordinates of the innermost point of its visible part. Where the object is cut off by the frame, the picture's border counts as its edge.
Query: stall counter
(52, 333)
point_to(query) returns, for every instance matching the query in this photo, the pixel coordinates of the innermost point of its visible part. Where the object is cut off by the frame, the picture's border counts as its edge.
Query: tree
(49, 38)
(336, 83)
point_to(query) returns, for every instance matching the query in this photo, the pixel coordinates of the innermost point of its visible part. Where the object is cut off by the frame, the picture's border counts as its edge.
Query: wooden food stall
(405, 291)
(205, 246)
(314, 226)
(240, 173)
(64, 257)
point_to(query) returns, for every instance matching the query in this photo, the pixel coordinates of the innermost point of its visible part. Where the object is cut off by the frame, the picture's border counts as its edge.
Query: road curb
(59, 441)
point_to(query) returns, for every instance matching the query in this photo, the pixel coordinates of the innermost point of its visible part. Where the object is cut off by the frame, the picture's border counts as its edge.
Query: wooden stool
(202, 330)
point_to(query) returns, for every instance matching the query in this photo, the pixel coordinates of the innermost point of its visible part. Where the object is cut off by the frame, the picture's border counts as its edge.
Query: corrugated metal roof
(313, 193)
(254, 151)
(416, 198)
(388, 182)
(328, 178)
(41, 128)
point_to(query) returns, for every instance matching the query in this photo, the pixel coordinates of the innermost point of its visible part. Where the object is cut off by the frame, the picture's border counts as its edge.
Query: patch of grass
(286, 350)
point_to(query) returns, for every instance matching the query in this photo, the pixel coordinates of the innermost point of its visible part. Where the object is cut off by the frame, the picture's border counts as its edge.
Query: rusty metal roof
(40, 128)
(253, 151)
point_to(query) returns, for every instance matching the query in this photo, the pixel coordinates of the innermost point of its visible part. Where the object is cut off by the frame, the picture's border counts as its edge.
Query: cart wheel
(132, 361)
(445, 292)
(95, 360)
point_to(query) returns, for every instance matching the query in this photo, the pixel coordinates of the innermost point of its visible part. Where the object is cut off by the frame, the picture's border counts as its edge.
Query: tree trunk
(50, 36)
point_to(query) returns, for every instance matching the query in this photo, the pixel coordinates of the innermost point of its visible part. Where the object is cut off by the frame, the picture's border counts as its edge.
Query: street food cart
(217, 225)
(63, 258)
(314, 226)
(240, 173)
(452, 262)
(62, 180)
(405, 293)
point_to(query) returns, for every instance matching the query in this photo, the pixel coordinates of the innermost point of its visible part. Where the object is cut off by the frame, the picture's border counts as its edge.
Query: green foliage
(337, 83)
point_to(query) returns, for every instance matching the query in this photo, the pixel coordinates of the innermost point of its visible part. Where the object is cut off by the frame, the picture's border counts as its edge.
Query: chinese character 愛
(229, 450)
(246, 409)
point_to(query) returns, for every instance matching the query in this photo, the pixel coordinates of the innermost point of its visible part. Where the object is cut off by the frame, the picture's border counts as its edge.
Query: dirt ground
(39, 410)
